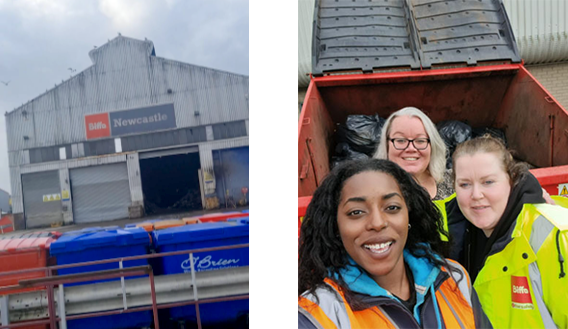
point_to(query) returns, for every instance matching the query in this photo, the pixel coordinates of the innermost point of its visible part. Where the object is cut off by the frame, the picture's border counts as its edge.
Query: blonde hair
(490, 144)
(437, 165)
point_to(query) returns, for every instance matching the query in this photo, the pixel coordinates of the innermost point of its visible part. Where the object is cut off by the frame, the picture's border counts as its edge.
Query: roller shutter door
(35, 187)
(100, 193)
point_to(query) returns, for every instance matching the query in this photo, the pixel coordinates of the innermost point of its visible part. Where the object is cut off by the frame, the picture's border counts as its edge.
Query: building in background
(5, 206)
(132, 133)
(540, 28)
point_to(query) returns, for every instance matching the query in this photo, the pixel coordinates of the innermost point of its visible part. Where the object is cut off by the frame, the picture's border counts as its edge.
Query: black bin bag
(361, 133)
(453, 133)
(345, 153)
(494, 132)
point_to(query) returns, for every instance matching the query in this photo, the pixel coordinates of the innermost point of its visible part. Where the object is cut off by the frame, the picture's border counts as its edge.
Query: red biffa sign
(520, 293)
(97, 125)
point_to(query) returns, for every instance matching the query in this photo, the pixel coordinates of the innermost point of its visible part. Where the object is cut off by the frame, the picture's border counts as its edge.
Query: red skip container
(221, 216)
(21, 254)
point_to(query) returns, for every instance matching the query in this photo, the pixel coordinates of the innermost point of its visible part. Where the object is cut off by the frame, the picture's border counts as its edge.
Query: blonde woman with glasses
(410, 139)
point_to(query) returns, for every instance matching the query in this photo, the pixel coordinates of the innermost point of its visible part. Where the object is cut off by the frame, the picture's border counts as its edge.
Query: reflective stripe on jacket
(450, 308)
(525, 285)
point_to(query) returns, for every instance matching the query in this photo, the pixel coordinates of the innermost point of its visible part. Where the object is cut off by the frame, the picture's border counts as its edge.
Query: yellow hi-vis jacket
(525, 285)
(560, 200)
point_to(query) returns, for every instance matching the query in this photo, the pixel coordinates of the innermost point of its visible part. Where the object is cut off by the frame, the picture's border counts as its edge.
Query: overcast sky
(42, 39)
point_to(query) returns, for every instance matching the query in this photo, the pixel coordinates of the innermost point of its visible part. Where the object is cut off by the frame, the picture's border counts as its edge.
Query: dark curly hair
(321, 251)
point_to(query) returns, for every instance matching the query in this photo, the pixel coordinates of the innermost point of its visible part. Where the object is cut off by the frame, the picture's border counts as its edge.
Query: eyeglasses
(402, 143)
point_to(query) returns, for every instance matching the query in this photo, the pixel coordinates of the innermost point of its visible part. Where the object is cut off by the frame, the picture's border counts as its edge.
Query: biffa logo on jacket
(520, 293)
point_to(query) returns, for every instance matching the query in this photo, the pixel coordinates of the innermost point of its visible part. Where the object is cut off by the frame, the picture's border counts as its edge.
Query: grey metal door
(42, 198)
(100, 193)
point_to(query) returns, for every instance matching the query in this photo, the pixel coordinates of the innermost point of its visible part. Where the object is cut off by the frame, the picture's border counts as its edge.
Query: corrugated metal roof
(126, 75)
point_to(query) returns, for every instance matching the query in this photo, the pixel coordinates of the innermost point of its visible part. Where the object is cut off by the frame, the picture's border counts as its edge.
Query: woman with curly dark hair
(370, 256)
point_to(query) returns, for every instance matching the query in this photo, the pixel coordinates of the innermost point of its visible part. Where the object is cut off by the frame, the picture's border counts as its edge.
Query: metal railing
(51, 280)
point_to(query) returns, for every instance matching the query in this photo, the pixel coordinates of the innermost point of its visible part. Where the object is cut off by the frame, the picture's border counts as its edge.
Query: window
(62, 153)
(117, 145)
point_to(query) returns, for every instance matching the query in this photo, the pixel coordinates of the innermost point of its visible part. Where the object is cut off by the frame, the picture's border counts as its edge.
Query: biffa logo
(520, 290)
(520, 293)
(97, 125)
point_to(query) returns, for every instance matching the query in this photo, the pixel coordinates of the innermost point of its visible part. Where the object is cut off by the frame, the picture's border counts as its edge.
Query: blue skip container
(98, 243)
(241, 220)
(205, 235)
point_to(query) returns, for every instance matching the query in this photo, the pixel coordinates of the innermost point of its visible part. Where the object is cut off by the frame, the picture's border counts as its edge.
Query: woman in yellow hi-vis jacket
(370, 256)
(511, 242)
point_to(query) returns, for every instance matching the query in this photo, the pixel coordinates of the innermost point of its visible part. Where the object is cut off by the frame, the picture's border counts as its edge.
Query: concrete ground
(120, 222)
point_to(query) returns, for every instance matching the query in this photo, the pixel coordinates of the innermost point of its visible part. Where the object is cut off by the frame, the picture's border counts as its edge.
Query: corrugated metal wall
(163, 139)
(229, 130)
(206, 157)
(540, 28)
(231, 173)
(205, 96)
(98, 147)
(18, 158)
(305, 30)
(73, 163)
(4, 201)
(124, 76)
(207, 164)
(16, 184)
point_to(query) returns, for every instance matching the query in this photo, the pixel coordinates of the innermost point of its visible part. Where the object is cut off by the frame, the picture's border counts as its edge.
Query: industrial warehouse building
(131, 134)
(4, 202)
